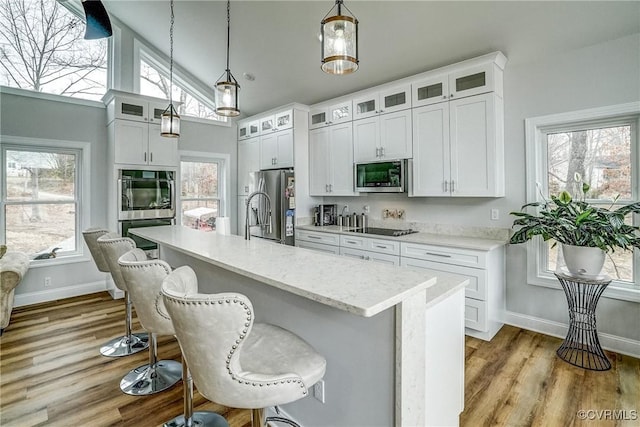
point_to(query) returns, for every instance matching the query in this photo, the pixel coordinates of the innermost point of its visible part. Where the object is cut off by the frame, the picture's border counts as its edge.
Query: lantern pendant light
(170, 120)
(227, 86)
(339, 41)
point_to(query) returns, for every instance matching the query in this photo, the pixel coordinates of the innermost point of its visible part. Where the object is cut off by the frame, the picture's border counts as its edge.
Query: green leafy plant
(576, 222)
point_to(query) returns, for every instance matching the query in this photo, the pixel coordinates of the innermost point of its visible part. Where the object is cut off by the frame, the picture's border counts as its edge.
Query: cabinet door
(430, 168)
(162, 151)
(318, 117)
(472, 81)
(476, 153)
(395, 99)
(284, 144)
(341, 160)
(430, 90)
(267, 125)
(243, 131)
(284, 120)
(366, 106)
(318, 247)
(319, 162)
(248, 162)
(366, 139)
(341, 112)
(268, 151)
(131, 142)
(131, 109)
(253, 128)
(395, 135)
(155, 111)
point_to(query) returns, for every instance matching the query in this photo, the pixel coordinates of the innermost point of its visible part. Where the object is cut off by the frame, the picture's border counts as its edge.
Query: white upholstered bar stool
(234, 361)
(112, 246)
(144, 283)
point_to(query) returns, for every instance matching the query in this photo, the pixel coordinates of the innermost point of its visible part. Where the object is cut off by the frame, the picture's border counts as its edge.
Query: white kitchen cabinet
(138, 110)
(332, 114)
(370, 256)
(458, 148)
(383, 137)
(276, 150)
(140, 143)
(280, 121)
(249, 155)
(318, 247)
(248, 129)
(331, 161)
(323, 242)
(382, 101)
(485, 293)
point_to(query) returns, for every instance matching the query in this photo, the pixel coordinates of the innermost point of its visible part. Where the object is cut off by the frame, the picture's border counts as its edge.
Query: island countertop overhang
(362, 288)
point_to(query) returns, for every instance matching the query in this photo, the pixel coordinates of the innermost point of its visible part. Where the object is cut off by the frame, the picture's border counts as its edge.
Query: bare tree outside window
(42, 49)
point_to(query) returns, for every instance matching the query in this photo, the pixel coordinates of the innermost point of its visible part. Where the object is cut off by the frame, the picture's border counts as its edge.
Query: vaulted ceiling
(277, 41)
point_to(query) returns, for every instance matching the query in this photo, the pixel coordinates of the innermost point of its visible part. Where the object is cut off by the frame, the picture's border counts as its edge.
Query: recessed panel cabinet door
(395, 135)
(431, 150)
(476, 154)
(341, 160)
(319, 162)
(131, 141)
(162, 151)
(366, 139)
(248, 162)
(284, 141)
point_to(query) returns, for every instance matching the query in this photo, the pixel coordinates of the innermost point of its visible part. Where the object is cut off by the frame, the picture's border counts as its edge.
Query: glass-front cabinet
(276, 122)
(472, 81)
(381, 102)
(430, 90)
(331, 114)
(248, 129)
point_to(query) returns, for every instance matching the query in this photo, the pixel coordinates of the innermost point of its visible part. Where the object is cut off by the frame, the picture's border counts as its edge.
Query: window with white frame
(42, 48)
(201, 190)
(42, 195)
(154, 81)
(598, 147)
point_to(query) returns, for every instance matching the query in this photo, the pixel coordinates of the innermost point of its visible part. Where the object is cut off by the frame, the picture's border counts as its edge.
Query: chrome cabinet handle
(453, 183)
(381, 151)
(151, 157)
(440, 255)
(330, 188)
(446, 186)
(314, 237)
(367, 258)
(145, 157)
(382, 247)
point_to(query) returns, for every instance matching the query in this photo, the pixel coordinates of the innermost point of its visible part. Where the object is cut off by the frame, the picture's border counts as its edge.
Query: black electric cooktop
(383, 231)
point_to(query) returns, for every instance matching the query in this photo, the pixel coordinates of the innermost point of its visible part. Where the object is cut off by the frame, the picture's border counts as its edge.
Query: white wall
(603, 74)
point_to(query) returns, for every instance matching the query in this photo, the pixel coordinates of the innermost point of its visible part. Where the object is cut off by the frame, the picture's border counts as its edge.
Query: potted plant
(585, 232)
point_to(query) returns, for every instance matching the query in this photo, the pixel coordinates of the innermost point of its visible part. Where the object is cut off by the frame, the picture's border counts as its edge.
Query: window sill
(50, 97)
(206, 121)
(613, 291)
(71, 259)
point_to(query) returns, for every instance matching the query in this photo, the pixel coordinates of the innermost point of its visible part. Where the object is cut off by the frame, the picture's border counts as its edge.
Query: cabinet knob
(451, 96)
(444, 97)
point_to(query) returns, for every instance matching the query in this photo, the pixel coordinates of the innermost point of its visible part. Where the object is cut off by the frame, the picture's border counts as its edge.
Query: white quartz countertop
(359, 287)
(463, 242)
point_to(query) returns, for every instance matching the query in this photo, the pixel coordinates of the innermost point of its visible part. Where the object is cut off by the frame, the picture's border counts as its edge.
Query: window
(42, 48)
(42, 193)
(598, 147)
(154, 81)
(200, 189)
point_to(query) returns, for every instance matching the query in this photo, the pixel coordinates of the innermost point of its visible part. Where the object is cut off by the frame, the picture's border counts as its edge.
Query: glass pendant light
(339, 41)
(170, 121)
(227, 86)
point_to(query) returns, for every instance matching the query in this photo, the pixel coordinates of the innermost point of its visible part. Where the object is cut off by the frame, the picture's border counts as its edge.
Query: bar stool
(144, 281)
(236, 362)
(112, 246)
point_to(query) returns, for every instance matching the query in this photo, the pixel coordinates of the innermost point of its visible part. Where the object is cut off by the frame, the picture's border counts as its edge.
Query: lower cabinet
(319, 241)
(370, 256)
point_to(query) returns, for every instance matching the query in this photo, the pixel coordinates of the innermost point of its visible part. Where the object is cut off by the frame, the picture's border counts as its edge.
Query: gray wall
(599, 75)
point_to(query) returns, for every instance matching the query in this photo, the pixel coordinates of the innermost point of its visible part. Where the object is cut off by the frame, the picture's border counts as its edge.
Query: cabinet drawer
(463, 257)
(477, 287)
(382, 246)
(475, 314)
(318, 247)
(370, 256)
(352, 242)
(318, 237)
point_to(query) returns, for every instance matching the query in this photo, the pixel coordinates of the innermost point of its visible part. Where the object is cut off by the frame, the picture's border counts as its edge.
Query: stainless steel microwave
(146, 194)
(381, 177)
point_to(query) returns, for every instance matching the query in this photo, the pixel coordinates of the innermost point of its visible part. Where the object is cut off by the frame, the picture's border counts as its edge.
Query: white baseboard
(609, 342)
(59, 293)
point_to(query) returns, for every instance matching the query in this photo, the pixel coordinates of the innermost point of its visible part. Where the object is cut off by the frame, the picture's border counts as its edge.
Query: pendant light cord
(228, 30)
(171, 59)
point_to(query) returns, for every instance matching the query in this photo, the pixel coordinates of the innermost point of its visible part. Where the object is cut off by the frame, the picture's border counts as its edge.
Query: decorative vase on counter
(583, 260)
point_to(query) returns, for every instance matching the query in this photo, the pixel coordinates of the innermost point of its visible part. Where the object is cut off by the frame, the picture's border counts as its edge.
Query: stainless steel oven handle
(172, 195)
(119, 198)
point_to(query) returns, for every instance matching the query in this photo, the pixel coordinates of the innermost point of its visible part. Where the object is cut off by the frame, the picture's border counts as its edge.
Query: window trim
(224, 184)
(83, 178)
(536, 129)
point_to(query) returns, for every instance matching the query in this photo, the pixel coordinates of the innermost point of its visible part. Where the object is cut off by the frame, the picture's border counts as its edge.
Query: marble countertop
(359, 287)
(463, 242)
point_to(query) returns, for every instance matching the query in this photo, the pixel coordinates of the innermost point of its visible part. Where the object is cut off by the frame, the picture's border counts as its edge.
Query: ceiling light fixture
(339, 36)
(170, 121)
(227, 86)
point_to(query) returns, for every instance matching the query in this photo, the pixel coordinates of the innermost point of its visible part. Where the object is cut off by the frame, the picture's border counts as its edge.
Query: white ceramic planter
(583, 260)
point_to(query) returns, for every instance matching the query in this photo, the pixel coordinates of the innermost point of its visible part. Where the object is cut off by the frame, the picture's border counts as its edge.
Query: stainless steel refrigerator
(278, 223)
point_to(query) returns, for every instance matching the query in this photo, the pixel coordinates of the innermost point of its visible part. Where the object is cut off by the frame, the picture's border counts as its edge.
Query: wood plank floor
(51, 374)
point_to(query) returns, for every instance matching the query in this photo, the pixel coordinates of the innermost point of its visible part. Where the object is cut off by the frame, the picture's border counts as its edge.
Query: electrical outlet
(47, 282)
(495, 214)
(318, 390)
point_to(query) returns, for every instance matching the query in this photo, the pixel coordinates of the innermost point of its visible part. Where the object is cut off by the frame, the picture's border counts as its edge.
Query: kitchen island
(393, 337)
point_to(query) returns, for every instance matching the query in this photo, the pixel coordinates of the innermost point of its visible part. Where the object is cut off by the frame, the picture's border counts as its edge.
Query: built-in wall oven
(146, 198)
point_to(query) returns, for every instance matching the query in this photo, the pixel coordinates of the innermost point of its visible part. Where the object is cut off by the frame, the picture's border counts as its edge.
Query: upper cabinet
(383, 101)
(276, 122)
(383, 137)
(331, 161)
(248, 129)
(138, 110)
(276, 150)
(332, 114)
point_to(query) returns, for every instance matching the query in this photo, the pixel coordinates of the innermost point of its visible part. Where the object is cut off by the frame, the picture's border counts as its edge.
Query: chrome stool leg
(153, 377)
(190, 418)
(128, 343)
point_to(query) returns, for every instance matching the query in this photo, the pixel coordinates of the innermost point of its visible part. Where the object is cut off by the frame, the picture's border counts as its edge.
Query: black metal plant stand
(581, 347)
